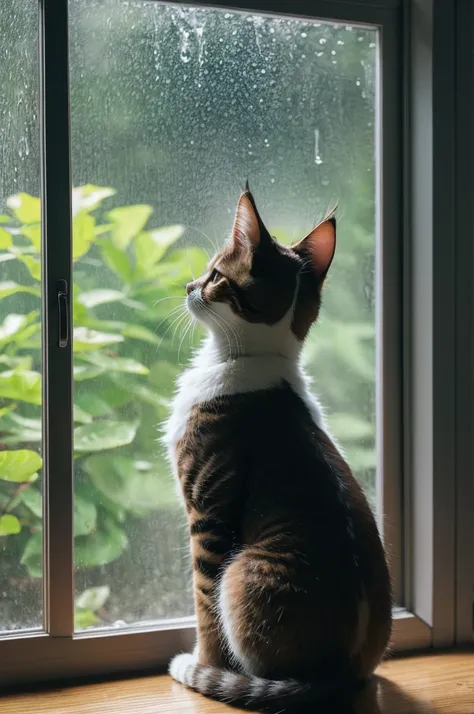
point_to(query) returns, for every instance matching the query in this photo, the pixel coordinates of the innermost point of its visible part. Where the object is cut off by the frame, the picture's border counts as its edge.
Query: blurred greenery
(125, 370)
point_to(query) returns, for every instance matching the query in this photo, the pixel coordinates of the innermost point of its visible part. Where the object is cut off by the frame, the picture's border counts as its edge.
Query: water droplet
(303, 34)
(272, 180)
(185, 54)
(322, 41)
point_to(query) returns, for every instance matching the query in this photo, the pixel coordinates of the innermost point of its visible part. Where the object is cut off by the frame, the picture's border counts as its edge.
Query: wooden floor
(434, 684)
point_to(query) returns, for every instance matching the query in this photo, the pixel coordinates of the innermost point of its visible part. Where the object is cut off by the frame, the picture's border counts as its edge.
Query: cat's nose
(190, 287)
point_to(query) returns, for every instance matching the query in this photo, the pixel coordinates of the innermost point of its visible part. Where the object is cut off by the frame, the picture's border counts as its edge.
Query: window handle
(63, 313)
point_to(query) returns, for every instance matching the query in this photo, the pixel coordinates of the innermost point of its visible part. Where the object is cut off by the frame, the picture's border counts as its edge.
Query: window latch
(63, 313)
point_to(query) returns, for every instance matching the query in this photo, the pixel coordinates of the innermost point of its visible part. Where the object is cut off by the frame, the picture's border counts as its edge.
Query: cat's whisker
(179, 317)
(169, 297)
(181, 322)
(178, 308)
(186, 331)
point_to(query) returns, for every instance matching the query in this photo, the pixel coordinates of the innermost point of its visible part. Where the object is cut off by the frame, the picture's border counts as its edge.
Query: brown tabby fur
(292, 590)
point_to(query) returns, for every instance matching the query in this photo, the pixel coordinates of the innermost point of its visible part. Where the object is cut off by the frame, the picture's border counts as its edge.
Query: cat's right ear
(318, 247)
(248, 231)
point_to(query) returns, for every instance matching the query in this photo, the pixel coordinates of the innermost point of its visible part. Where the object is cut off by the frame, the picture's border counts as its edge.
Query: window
(172, 108)
(168, 108)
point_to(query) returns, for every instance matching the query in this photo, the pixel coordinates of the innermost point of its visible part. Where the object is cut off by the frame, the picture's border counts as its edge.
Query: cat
(291, 585)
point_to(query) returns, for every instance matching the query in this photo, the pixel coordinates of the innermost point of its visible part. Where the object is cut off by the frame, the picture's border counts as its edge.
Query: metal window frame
(440, 350)
(464, 321)
(419, 440)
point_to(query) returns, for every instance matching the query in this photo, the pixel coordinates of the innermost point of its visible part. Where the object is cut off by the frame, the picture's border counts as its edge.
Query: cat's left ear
(319, 246)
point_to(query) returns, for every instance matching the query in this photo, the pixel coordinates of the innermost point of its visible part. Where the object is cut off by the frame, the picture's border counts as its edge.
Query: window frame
(414, 113)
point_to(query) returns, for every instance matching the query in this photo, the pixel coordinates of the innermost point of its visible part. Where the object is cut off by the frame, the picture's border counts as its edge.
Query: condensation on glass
(21, 602)
(172, 110)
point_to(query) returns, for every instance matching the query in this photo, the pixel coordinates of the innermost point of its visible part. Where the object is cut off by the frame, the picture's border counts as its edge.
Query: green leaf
(89, 197)
(5, 239)
(127, 222)
(11, 325)
(32, 498)
(24, 385)
(19, 466)
(9, 525)
(93, 598)
(33, 265)
(362, 459)
(163, 377)
(179, 267)
(149, 247)
(134, 485)
(32, 557)
(82, 234)
(115, 364)
(24, 428)
(81, 416)
(26, 208)
(129, 389)
(93, 403)
(139, 332)
(5, 219)
(117, 260)
(82, 372)
(104, 228)
(84, 619)
(85, 516)
(101, 547)
(9, 287)
(6, 410)
(92, 298)
(33, 233)
(85, 339)
(102, 435)
(349, 427)
(5, 257)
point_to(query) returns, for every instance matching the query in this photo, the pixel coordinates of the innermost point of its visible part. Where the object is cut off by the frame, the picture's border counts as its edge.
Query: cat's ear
(319, 245)
(248, 231)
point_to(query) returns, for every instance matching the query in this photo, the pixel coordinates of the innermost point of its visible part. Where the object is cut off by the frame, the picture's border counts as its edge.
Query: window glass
(172, 110)
(20, 321)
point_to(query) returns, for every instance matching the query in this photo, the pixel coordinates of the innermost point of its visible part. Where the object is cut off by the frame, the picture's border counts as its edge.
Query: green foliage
(122, 382)
(127, 280)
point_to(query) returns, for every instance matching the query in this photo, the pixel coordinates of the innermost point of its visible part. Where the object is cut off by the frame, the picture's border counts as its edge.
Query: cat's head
(258, 296)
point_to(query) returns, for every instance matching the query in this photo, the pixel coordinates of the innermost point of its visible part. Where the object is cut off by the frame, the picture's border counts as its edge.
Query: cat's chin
(195, 305)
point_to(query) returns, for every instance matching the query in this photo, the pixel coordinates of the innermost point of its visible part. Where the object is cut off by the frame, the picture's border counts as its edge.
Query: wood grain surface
(432, 684)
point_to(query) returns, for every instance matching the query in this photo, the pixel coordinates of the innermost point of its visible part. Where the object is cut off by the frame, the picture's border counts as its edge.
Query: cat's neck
(214, 351)
(214, 374)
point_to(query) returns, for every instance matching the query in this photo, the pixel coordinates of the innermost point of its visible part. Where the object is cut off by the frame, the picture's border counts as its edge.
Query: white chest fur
(209, 377)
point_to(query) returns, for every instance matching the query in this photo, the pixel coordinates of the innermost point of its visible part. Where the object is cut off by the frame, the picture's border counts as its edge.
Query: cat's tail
(256, 693)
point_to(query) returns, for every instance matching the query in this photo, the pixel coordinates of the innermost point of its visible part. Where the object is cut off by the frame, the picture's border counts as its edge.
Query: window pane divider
(58, 491)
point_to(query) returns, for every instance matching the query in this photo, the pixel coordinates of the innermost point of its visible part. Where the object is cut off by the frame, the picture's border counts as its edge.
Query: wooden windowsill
(432, 684)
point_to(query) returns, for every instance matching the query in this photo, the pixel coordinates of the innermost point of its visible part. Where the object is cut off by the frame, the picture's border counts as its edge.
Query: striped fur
(291, 586)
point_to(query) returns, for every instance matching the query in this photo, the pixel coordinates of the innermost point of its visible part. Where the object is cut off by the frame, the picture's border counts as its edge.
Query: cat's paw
(182, 668)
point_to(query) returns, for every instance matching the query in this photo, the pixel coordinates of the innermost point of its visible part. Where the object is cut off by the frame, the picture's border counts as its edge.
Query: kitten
(291, 586)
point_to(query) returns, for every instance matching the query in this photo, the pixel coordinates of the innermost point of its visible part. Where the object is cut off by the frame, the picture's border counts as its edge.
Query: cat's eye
(215, 276)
